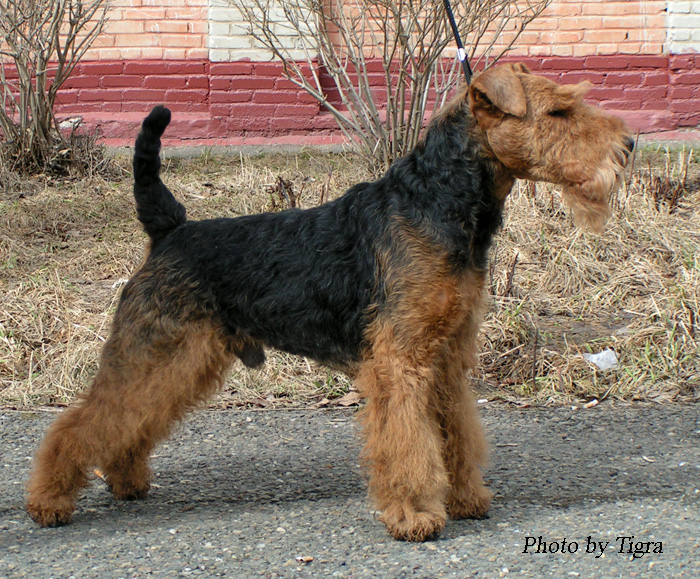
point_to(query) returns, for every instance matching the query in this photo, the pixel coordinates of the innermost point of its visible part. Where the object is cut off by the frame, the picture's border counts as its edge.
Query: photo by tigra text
(625, 545)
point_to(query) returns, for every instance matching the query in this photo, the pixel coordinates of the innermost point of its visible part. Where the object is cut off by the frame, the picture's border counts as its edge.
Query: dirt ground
(556, 293)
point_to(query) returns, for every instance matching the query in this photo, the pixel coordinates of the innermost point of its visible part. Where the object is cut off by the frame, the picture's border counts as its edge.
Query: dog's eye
(558, 113)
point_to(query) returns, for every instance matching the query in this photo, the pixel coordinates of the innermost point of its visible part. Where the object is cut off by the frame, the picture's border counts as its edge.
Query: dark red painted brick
(305, 97)
(82, 82)
(65, 97)
(692, 120)
(646, 93)
(563, 63)
(285, 84)
(189, 96)
(100, 68)
(691, 77)
(681, 61)
(164, 82)
(219, 110)
(252, 82)
(102, 95)
(121, 81)
(252, 110)
(189, 107)
(220, 83)
(271, 69)
(623, 105)
(614, 62)
(605, 93)
(655, 79)
(682, 92)
(293, 123)
(231, 68)
(533, 63)
(70, 108)
(144, 67)
(624, 78)
(144, 94)
(110, 107)
(274, 96)
(379, 96)
(689, 106)
(375, 65)
(233, 96)
(325, 121)
(293, 110)
(197, 81)
(186, 67)
(376, 79)
(648, 61)
(141, 107)
(655, 105)
(239, 121)
(581, 76)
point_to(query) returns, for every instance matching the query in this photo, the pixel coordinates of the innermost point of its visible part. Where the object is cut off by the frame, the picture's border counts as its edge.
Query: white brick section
(229, 39)
(683, 22)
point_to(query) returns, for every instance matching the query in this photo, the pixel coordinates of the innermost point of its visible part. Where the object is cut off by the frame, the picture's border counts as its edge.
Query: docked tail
(157, 209)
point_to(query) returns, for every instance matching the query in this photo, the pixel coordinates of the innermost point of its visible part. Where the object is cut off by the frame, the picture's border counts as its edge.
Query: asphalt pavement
(280, 494)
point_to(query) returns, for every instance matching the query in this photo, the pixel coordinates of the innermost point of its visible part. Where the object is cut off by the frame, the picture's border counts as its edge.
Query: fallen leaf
(350, 399)
(322, 403)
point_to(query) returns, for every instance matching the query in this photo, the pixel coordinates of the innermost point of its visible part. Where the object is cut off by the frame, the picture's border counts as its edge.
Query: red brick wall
(247, 100)
(187, 54)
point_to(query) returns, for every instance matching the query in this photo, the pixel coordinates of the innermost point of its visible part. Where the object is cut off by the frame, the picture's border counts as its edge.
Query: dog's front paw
(406, 524)
(55, 513)
(123, 492)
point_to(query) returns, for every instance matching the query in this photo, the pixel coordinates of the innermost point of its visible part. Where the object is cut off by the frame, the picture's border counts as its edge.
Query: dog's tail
(157, 209)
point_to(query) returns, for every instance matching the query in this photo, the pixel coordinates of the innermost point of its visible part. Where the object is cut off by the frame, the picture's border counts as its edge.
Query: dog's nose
(629, 143)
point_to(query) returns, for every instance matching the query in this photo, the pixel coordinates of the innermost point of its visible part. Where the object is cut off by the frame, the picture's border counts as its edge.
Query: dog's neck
(449, 188)
(454, 138)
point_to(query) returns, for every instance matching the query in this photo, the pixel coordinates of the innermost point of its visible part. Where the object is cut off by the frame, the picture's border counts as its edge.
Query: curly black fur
(305, 281)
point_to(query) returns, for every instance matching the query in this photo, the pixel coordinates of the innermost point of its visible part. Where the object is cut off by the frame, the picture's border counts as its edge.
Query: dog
(387, 281)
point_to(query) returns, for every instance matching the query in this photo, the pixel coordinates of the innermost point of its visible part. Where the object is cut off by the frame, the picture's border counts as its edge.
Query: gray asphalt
(280, 494)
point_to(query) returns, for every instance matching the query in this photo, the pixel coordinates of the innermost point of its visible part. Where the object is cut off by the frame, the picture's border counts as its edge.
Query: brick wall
(192, 29)
(195, 56)
(684, 26)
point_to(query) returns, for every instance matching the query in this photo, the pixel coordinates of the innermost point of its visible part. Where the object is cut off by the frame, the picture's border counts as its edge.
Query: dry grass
(557, 292)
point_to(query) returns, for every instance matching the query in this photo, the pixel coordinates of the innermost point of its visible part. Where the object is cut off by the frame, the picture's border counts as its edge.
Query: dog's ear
(569, 95)
(498, 92)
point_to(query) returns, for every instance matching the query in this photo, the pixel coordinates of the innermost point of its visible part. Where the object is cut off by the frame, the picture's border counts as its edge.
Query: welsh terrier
(386, 281)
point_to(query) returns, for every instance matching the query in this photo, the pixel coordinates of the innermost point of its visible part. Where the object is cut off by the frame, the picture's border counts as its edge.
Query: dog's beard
(590, 200)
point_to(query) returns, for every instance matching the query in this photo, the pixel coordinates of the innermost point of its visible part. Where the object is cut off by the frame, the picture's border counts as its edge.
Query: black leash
(461, 53)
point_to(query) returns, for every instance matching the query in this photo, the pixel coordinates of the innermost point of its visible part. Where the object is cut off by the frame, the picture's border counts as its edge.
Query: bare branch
(408, 38)
(44, 40)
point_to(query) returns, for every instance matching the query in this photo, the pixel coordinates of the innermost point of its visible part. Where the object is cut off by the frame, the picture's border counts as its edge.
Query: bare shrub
(42, 42)
(335, 49)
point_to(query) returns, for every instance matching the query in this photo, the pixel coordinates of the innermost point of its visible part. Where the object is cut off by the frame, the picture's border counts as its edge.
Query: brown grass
(66, 247)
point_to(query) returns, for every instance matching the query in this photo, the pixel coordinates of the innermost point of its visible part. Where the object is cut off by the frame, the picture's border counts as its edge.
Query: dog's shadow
(278, 463)
(210, 468)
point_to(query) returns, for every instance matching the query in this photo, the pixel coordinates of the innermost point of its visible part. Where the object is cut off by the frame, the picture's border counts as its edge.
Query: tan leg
(403, 448)
(465, 450)
(140, 391)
